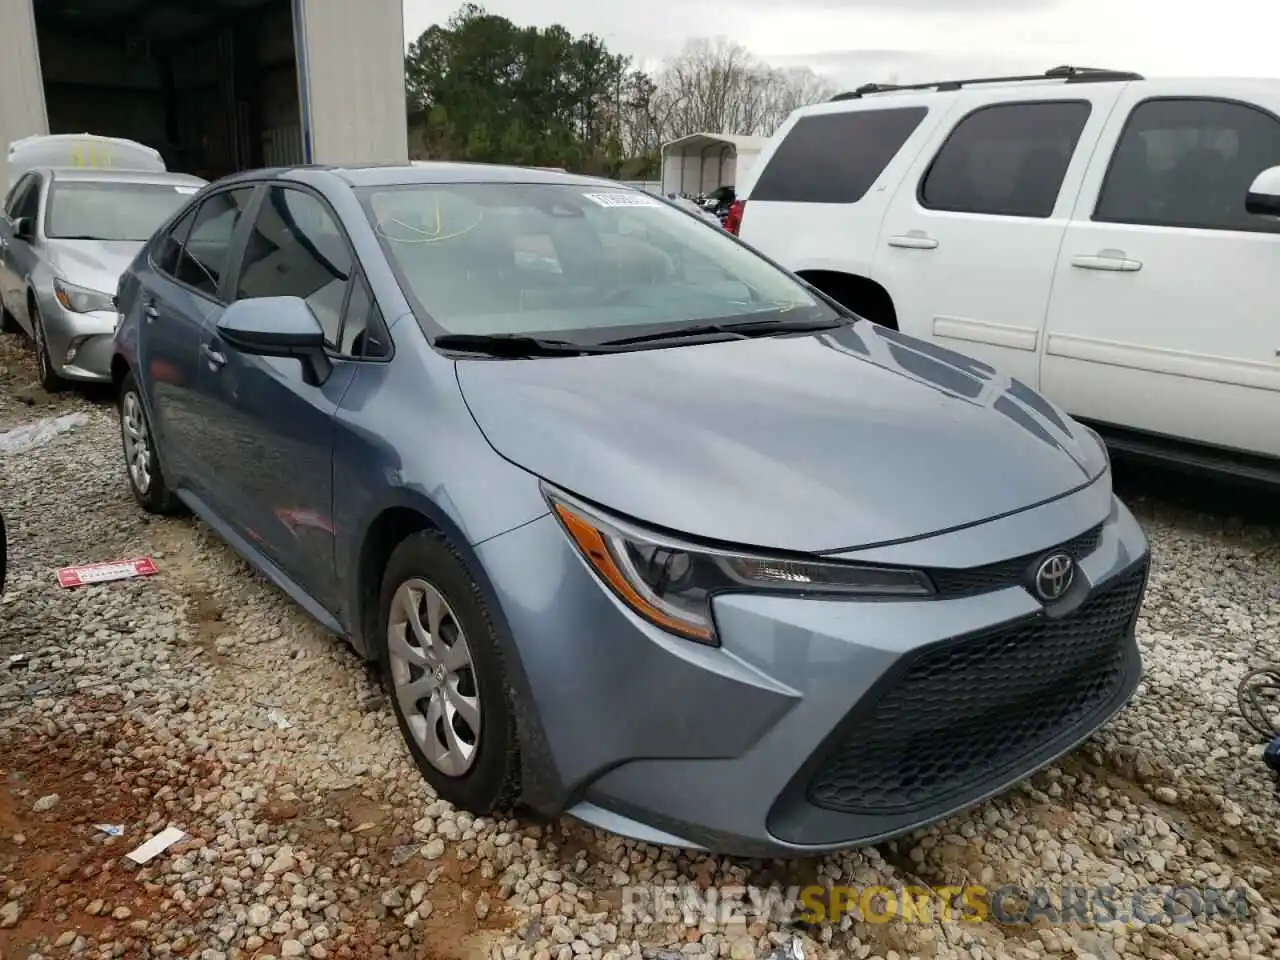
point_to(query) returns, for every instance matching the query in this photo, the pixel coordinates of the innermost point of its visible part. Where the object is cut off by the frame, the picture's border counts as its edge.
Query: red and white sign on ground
(102, 572)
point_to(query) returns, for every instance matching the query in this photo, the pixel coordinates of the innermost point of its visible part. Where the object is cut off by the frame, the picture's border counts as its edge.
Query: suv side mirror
(1263, 199)
(24, 228)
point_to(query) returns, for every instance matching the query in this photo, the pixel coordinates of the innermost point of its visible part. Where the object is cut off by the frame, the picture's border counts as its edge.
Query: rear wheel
(141, 463)
(49, 378)
(442, 665)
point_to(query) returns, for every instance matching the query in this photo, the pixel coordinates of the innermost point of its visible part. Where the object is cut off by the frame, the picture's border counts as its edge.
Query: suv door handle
(913, 241)
(214, 358)
(151, 312)
(1112, 260)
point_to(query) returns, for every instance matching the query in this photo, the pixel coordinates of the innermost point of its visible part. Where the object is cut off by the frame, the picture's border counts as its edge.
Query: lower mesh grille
(959, 714)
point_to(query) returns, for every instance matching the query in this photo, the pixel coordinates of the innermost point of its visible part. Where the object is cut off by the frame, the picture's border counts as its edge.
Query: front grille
(1007, 573)
(957, 716)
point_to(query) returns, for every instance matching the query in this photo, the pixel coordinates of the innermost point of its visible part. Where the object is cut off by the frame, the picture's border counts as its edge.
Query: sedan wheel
(433, 677)
(443, 667)
(142, 466)
(49, 378)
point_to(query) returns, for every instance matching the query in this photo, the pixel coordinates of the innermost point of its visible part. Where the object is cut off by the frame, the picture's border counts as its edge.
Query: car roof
(406, 173)
(117, 175)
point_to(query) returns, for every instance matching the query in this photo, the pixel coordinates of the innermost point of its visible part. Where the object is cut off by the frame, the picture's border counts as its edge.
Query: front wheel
(142, 466)
(49, 377)
(442, 665)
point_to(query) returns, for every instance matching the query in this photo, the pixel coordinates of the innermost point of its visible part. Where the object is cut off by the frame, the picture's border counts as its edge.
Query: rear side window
(835, 157)
(208, 248)
(1008, 159)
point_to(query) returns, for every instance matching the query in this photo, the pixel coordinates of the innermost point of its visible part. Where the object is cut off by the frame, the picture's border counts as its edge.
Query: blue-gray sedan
(637, 525)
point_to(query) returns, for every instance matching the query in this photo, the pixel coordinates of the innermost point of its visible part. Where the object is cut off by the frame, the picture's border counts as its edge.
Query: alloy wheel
(433, 677)
(137, 442)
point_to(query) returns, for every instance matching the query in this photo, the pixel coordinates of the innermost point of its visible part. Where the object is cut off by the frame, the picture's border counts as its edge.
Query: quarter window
(835, 157)
(1189, 163)
(1006, 160)
(207, 251)
(296, 249)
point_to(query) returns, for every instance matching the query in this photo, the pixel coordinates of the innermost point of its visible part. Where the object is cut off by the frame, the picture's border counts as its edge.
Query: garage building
(215, 85)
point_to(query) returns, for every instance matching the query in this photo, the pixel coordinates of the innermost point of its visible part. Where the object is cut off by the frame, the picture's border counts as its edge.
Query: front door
(278, 428)
(968, 246)
(1164, 317)
(18, 256)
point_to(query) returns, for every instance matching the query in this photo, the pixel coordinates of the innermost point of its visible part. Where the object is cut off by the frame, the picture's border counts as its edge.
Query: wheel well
(864, 297)
(119, 370)
(389, 529)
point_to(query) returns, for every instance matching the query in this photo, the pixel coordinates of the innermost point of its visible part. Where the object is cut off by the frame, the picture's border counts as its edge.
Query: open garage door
(211, 84)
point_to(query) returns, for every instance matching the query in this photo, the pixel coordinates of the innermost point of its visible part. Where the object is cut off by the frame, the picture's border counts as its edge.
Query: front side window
(109, 211)
(166, 249)
(578, 262)
(296, 249)
(1006, 160)
(1190, 163)
(16, 195)
(207, 250)
(26, 198)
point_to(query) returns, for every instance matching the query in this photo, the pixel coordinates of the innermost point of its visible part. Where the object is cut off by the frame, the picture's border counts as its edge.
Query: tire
(49, 378)
(142, 466)
(487, 779)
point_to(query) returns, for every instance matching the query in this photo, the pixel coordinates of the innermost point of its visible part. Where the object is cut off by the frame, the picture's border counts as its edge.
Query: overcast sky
(853, 41)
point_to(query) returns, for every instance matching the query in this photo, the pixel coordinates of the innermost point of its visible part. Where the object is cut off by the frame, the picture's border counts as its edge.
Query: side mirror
(278, 327)
(1263, 199)
(24, 228)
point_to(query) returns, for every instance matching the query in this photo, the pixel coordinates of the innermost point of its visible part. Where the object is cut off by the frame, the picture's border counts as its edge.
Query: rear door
(274, 426)
(1164, 316)
(968, 248)
(178, 299)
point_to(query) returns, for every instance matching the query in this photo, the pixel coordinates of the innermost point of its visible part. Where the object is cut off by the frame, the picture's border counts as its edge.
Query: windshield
(582, 263)
(100, 210)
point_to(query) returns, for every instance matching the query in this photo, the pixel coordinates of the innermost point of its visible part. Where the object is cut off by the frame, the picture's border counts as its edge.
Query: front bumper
(79, 343)
(820, 724)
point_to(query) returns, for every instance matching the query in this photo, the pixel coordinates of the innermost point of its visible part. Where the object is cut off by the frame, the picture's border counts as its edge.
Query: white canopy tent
(701, 162)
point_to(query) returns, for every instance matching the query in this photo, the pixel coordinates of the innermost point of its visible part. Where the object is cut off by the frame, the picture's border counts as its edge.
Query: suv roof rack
(1069, 74)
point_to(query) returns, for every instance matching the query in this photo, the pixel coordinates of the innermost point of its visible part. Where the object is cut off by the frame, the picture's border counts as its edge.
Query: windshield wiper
(512, 345)
(739, 328)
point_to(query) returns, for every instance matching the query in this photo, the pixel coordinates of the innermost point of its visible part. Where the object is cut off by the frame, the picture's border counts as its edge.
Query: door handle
(1111, 260)
(151, 312)
(913, 241)
(214, 358)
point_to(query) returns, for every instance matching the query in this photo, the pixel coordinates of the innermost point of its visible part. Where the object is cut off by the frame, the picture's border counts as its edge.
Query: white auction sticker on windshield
(620, 199)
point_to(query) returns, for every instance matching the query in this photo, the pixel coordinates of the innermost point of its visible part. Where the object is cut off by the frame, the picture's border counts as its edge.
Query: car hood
(814, 443)
(96, 264)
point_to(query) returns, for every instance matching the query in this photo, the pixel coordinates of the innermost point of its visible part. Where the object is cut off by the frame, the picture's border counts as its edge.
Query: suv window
(1189, 163)
(207, 251)
(297, 249)
(1008, 159)
(835, 157)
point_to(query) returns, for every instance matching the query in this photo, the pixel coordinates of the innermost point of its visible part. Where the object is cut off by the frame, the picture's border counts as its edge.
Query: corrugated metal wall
(22, 111)
(353, 64)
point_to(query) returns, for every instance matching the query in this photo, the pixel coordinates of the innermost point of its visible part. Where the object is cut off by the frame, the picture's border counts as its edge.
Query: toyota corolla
(637, 525)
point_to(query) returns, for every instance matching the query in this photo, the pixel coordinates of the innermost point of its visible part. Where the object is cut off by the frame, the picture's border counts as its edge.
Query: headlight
(671, 584)
(81, 299)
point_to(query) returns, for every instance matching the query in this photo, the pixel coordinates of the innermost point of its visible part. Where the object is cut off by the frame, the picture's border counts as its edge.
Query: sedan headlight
(81, 299)
(670, 583)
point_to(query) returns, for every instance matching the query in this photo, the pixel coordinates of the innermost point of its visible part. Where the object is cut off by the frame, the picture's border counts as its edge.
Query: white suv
(1110, 240)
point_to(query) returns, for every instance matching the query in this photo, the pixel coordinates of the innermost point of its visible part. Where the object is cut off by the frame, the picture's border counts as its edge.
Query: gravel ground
(204, 699)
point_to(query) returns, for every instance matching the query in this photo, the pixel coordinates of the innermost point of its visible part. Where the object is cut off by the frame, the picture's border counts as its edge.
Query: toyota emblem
(1054, 577)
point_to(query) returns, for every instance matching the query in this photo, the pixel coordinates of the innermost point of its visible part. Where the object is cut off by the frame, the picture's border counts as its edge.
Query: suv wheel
(141, 464)
(442, 665)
